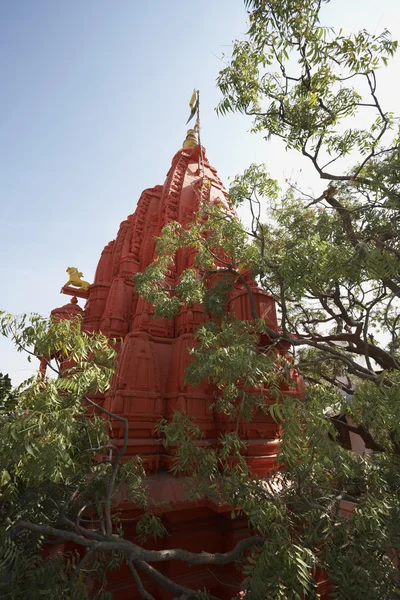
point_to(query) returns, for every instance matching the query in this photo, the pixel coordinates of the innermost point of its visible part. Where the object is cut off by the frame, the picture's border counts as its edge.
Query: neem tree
(332, 260)
(332, 263)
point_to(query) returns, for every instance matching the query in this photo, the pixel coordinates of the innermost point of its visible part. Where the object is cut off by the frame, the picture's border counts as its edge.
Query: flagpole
(200, 159)
(195, 110)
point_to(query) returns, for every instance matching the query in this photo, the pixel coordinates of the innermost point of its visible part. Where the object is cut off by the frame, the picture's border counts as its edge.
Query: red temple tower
(150, 384)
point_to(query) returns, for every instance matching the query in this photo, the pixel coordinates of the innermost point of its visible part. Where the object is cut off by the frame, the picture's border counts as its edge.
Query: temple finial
(191, 140)
(193, 135)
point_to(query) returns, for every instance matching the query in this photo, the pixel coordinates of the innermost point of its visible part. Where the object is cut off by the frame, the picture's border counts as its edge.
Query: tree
(6, 394)
(59, 474)
(331, 262)
(340, 284)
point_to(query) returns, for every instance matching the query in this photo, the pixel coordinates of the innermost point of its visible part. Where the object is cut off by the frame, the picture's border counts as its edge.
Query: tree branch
(144, 593)
(116, 463)
(366, 436)
(163, 581)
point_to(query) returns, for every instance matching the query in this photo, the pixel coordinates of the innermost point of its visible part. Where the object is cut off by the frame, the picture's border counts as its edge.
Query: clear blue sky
(93, 103)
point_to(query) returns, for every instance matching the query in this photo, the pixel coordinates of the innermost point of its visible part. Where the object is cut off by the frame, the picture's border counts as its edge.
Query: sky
(93, 104)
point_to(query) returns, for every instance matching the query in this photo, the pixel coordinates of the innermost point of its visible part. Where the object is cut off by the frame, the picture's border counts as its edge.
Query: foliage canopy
(331, 261)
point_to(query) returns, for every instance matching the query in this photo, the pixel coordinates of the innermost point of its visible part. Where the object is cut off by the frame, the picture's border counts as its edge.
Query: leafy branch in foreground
(59, 475)
(297, 509)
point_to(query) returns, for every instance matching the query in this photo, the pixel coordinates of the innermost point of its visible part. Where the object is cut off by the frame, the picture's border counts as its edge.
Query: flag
(193, 104)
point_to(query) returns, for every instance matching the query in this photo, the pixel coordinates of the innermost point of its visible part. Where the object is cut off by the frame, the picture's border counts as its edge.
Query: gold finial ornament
(191, 140)
(193, 135)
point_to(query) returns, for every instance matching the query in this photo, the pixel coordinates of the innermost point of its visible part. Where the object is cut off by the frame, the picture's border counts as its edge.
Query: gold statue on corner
(75, 278)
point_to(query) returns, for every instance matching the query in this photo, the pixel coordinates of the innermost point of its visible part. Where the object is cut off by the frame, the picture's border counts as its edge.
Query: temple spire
(194, 105)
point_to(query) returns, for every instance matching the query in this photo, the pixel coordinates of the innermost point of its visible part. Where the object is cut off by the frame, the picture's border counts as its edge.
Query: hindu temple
(150, 380)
